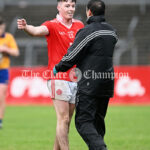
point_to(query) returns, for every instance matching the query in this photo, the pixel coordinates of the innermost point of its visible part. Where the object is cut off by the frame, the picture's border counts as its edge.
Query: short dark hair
(97, 7)
(65, 1)
(2, 21)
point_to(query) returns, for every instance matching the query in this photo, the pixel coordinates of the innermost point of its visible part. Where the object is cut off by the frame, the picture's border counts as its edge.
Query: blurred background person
(8, 47)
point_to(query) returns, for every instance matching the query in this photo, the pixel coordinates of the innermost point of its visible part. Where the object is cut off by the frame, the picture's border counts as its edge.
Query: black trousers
(89, 120)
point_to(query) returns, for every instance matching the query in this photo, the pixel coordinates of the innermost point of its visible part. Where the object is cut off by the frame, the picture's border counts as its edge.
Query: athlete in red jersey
(60, 34)
(60, 38)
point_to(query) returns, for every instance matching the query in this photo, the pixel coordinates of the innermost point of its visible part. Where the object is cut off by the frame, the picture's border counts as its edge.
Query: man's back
(96, 65)
(101, 39)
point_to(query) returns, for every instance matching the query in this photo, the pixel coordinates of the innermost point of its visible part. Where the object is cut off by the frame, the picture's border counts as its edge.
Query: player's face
(66, 9)
(2, 29)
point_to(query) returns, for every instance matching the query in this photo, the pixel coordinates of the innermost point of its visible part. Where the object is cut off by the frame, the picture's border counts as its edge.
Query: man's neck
(67, 22)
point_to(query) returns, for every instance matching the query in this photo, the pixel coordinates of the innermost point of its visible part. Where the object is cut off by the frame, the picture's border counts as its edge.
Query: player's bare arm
(32, 30)
(6, 49)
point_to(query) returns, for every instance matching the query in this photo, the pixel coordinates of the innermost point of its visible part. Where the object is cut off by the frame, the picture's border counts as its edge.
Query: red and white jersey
(60, 39)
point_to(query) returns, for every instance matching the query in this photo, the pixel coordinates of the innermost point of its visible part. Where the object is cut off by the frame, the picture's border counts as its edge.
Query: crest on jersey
(71, 34)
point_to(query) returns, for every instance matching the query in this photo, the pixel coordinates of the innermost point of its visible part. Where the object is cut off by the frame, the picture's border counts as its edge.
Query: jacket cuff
(57, 68)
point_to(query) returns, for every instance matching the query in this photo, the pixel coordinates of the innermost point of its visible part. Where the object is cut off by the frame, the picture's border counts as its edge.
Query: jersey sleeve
(81, 25)
(49, 25)
(12, 42)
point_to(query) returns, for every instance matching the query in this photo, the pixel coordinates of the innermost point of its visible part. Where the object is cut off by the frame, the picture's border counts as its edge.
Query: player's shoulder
(8, 35)
(50, 22)
(54, 21)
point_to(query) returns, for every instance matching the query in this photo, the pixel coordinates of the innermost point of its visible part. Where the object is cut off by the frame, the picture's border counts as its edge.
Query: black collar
(3, 35)
(96, 19)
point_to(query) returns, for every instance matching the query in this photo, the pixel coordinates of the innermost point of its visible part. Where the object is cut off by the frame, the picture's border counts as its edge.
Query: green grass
(33, 128)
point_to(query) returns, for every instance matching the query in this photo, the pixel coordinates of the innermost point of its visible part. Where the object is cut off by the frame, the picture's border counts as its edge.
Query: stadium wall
(28, 86)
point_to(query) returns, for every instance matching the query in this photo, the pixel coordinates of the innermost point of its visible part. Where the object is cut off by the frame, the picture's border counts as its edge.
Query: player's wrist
(7, 50)
(26, 27)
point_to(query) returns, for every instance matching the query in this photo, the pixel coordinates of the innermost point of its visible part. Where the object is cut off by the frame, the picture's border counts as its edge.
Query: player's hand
(55, 71)
(3, 48)
(21, 24)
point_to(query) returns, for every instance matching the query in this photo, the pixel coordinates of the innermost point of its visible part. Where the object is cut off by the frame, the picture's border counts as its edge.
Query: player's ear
(58, 6)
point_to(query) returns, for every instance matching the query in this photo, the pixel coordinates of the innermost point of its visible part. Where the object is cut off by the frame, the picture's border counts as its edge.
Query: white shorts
(62, 90)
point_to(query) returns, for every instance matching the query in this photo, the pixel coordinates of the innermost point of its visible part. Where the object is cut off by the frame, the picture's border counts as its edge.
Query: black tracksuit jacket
(92, 53)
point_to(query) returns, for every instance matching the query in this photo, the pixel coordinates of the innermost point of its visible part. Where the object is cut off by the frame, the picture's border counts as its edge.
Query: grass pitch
(33, 128)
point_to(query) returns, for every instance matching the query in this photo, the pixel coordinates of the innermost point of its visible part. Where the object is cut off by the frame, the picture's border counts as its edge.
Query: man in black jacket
(92, 52)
